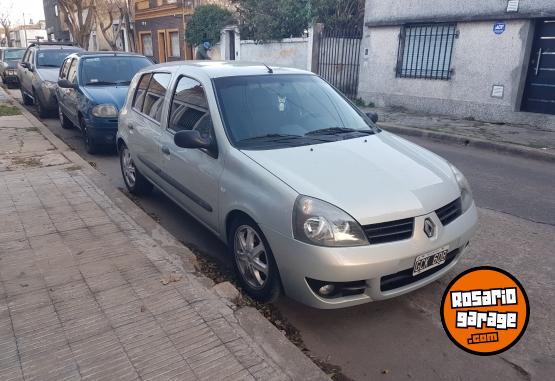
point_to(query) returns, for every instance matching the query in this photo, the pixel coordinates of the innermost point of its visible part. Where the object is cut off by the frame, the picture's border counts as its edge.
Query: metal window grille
(425, 51)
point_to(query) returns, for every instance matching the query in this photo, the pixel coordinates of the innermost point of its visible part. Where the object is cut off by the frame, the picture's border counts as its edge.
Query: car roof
(216, 69)
(59, 47)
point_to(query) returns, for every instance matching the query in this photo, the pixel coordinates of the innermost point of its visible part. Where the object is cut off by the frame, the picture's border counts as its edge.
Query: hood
(385, 178)
(107, 94)
(49, 74)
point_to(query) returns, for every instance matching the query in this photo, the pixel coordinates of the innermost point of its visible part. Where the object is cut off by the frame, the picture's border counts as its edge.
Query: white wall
(290, 52)
(480, 60)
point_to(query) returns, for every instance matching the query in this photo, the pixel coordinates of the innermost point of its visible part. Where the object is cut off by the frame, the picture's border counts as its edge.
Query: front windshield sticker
(282, 103)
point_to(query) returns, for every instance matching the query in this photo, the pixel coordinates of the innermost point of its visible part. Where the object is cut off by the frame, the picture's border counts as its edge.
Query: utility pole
(24, 30)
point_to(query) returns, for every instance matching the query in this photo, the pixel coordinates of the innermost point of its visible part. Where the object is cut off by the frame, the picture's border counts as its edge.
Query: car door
(26, 74)
(145, 125)
(71, 96)
(193, 175)
(60, 91)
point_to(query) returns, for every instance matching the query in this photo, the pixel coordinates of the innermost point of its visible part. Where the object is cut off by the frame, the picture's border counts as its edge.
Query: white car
(310, 196)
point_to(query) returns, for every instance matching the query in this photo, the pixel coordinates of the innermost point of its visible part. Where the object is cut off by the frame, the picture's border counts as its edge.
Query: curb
(506, 148)
(291, 360)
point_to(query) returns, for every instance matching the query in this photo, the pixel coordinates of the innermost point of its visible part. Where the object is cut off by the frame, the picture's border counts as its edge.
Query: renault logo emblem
(429, 227)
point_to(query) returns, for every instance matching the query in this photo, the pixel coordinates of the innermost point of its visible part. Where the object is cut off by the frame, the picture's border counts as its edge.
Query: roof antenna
(270, 71)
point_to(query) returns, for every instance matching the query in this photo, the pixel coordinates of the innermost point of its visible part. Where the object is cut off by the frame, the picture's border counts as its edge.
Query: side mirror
(373, 116)
(65, 84)
(26, 65)
(190, 139)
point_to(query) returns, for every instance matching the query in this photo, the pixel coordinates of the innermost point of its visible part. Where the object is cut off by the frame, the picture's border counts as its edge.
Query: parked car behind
(306, 191)
(38, 72)
(9, 57)
(92, 87)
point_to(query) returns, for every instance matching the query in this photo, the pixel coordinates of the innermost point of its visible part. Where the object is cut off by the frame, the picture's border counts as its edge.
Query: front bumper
(102, 130)
(298, 261)
(48, 98)
(9, 76)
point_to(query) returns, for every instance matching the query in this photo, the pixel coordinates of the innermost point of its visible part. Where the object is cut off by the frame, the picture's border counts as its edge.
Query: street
(403, 338)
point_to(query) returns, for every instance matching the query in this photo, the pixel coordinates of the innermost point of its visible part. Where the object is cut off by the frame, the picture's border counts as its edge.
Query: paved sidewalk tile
(80, 297)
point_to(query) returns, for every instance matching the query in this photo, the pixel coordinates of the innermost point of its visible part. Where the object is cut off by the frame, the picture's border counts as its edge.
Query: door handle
(539, 60)
(130, 126)
(165, 150)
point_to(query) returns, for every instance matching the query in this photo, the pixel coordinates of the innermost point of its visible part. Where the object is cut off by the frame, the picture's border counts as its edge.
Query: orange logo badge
(485, 310)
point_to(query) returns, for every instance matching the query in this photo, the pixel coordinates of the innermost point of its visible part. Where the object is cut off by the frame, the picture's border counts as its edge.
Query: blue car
(92, 87)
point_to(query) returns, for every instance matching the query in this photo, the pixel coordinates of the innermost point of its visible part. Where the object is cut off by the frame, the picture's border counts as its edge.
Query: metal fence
(339, 59)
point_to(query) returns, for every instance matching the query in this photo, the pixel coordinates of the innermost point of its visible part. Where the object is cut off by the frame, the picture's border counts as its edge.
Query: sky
(33, 9)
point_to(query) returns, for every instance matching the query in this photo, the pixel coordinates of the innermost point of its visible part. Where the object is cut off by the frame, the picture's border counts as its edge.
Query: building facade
(160, 28)
(22, 35)
(56, 29)
(486, 59)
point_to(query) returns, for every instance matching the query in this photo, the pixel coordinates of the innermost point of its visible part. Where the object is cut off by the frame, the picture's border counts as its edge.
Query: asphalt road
(402, 338)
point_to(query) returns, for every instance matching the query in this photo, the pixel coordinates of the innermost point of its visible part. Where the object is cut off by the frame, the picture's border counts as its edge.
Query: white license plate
(430, 260)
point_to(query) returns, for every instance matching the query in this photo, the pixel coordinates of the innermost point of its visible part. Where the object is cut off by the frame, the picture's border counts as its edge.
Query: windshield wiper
(101, 83)
(271, 137)
(337, 131)
(48, 65)
(118, 83)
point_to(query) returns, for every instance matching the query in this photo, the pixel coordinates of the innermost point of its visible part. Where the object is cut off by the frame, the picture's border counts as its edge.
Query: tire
(263, 286)
(135, 182)
(90, 146)
(27, 101)
(64, 121)
(43, 113)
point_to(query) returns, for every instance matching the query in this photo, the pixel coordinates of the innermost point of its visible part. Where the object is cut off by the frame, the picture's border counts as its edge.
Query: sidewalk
(524, 140)
(92, 288)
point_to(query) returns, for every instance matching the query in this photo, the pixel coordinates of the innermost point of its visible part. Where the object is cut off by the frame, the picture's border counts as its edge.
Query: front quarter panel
(248, 187)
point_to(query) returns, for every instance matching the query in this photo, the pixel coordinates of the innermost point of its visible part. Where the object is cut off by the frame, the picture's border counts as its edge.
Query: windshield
(111, 70)
(275, 111)
(13, 54)
(52, 57)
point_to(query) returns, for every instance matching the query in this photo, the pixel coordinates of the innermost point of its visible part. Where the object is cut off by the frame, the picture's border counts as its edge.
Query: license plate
(428, 261)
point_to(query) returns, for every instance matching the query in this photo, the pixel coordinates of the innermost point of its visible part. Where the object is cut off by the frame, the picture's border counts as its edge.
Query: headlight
(105, 111)
(466, 193)
(49, 84)
(318, 223)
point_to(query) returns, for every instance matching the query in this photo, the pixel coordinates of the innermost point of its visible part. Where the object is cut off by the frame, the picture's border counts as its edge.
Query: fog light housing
(326, 289)
(329, 290)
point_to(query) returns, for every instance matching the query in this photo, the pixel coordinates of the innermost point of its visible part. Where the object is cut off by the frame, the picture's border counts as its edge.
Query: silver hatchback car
(310, 196)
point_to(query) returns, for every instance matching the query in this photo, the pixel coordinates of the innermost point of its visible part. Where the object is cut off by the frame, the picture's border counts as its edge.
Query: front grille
(389, 231)
(405, 277)
(450, 212)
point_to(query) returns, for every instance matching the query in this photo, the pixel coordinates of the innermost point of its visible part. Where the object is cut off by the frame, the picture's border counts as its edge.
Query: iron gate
(339, 58)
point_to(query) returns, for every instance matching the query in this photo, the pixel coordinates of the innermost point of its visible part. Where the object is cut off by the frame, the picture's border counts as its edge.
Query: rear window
(111, 70)
(53, 57)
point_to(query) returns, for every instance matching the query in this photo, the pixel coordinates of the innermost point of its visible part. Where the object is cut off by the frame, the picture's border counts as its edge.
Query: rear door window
(65, 68)
(155, 95)
(140, 93)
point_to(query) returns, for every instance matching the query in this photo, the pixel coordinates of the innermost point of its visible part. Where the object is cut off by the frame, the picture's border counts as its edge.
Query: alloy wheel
(128, 167)
(251, 257)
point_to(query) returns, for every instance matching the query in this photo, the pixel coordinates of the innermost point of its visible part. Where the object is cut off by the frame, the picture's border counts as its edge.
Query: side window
(65, 68)
(72, 72)
(140, 93)
(155, 95)
(31, 56)
(189, 109)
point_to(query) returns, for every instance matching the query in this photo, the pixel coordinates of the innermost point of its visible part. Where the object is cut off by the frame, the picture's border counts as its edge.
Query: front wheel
(64, 121)
(27, 101)
(254, 261)
(43, 113)
(134, 181)
(90, 145)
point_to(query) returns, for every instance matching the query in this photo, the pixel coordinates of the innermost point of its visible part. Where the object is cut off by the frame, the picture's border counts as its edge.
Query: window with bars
(425, 51)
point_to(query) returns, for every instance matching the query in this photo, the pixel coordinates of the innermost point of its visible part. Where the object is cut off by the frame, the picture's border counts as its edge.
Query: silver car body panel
(375, 179)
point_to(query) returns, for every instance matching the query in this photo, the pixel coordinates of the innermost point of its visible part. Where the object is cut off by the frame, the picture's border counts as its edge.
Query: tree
(6, 23)
(79, 16)
(206, 24)
(109, 10)
(264, 20)
(338, 13)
